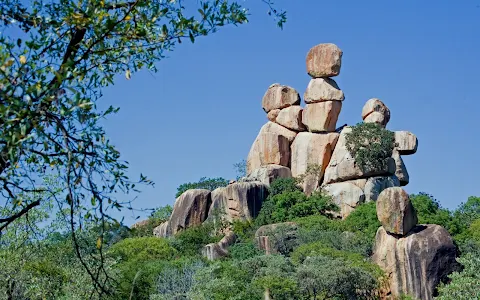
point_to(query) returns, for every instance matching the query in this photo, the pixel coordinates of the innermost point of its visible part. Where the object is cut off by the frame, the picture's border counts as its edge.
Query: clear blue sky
(201, 112)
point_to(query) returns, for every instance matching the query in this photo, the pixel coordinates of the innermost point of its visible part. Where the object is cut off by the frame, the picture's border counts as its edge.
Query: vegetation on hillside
(328, 258)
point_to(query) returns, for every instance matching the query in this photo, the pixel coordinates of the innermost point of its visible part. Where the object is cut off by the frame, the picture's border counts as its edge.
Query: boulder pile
(297, 138)
(416, 258)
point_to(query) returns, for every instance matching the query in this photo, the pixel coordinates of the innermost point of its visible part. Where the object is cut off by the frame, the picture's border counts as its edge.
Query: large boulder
(218, 250)
(190, 209)
(395, 211)
(346, 196)
(312, 149)
(321, 116)
(323, 89)
(417, 263)
(276, 238)
(291, 118)
(238, 201)
(342, 166)
(406, 142)
(279, 96)
(400, 169)
(375, 185)
(268, 146)
(267, 174)
(324, 60)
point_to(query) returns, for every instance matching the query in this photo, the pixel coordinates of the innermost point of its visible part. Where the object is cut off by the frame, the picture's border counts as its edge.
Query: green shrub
(322, 277)
(190, 241)
(142, 249)
(370, 144)
(363, 219)
(353, 259)
(465, 284)
(245, 230)
(283, 185)
(242, 251)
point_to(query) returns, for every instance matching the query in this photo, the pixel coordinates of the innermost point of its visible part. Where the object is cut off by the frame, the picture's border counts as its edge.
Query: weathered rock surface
(375, 185)
(162, 230)
(279, 96)
(273, 114)
(324, 60)
(262, 153)
(218, 250)
(400, 169)
(346, 196)
(406, 141)
(395, 211)
(313, 149)
(291, 118)
(342, 166)
(375, 105)
(267, 237)
(418, 262)
(323, 89)
(190, 209)
(267, 174)
(238, 201)
(376, 117)
(321, 116)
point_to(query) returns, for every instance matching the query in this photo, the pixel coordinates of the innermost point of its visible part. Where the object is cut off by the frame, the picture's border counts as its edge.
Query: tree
(203, 183)
(241, 168)
(51, 76)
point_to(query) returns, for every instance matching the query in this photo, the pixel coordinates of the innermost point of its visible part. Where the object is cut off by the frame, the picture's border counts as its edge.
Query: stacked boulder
(416, 258)
(296, 138)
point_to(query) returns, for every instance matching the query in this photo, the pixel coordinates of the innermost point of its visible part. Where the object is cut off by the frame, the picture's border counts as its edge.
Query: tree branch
(12, 218)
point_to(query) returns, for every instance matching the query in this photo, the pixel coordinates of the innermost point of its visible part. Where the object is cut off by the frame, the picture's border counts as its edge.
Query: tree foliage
(370, 144)
(203, 183)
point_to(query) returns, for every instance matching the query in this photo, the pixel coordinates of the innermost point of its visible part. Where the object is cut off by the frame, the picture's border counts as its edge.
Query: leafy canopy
(370, 144)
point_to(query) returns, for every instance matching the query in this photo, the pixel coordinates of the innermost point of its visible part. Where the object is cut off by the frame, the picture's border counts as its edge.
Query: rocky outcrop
(395, 211)
(346, 196)
(276, 238)
(218, 250)
(279, 96)
(312, 149)
(375, 185)
(342, 166)
(291, 118)
(324, 60)
(321, 116)
(416, 263)
(272, 146)
(414, 257)
(267, 174)
(323, 89)
(190, 209)
(238, 201)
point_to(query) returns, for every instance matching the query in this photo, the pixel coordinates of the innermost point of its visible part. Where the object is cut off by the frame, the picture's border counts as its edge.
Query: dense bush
(363, 219)
(465, 284)
(190, 241)
(287, 202)
(370, 144)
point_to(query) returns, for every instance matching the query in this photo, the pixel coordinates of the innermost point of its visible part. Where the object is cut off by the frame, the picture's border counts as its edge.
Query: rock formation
(298, 138)
(414, 257)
